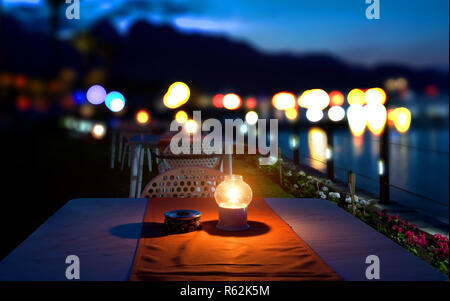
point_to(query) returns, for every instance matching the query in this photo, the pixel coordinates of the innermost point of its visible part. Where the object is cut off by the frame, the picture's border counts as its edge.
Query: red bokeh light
(20, 81)
(22, 103)
(336, 98)
(68, 103)
(217, 100)
(251, 103)
(431, 91)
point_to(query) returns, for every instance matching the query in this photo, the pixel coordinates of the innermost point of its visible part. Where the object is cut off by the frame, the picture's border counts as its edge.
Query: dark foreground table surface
(104, 234)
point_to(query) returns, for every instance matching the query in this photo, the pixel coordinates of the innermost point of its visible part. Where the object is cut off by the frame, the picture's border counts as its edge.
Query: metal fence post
(383, 166)
(329, 151)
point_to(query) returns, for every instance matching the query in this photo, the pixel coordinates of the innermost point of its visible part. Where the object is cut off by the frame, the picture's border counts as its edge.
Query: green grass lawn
(261, 185)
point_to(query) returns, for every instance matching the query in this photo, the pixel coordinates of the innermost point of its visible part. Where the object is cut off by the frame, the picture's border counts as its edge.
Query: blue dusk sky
(413, 32)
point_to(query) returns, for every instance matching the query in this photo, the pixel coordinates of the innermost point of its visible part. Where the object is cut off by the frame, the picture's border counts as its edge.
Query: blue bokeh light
(79, 97)
(115, 101)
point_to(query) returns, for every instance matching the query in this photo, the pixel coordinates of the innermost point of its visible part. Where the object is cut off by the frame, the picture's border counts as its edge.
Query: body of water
(419, 163)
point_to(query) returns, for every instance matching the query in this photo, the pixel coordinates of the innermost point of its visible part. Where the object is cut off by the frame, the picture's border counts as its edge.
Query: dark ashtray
(182, 221)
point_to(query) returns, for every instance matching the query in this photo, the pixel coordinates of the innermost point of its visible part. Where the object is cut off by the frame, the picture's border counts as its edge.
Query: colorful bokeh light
(375, 96)
(142, 117)
(316, 99)
(314, 114)
(283, 101)
(402, 119)
(177, 95)
(251, 117)
(115, 101)
(251, 103)
(376, 117)
(20, 81)
(356, 96)
(217, 101)
(291, 113)
(431, 91)
(336, 98)
(336, 113)
(357, 119)
(232, 101)
(181, 117)
(87, 110)
(79, 97)
(98, 131)
(96, 94)
(22, 103)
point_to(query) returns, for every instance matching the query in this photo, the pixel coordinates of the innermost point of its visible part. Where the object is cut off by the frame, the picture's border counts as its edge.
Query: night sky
(413, 32)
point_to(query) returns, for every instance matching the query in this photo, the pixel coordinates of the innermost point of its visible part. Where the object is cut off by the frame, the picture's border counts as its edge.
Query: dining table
(122, 239)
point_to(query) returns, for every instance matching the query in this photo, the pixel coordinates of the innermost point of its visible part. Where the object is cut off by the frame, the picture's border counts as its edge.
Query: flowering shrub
(432, 249)
(441, 248)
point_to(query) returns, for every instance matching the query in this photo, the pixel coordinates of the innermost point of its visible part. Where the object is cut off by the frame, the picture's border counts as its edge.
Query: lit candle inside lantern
(232, 204)
(233, 196)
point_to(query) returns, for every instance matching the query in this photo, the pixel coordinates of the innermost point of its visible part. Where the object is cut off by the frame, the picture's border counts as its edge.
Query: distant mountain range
(152, 55)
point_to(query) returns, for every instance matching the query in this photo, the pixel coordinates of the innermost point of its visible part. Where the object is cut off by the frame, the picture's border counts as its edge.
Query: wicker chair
(184, 182)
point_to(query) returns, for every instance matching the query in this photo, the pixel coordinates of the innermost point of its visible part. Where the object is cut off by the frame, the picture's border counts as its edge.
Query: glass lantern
(233, 196)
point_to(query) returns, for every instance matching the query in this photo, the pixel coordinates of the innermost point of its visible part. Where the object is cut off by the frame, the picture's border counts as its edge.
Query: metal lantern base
(233, 219)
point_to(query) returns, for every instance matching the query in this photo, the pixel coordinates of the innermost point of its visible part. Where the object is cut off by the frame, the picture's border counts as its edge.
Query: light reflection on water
(317, 144)
(418, 162)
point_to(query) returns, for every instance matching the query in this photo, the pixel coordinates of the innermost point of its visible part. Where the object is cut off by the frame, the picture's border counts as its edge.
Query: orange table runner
(269, 250)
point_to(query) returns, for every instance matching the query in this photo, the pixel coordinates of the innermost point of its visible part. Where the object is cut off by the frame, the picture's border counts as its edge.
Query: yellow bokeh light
(390, 117)
(231, 101)
(356, 96)
(396, 84)
(375, 96)
(357, 119)
(402, 119)
(376, 117)
(314, 99)
(177, 95)
(291, 113)
(181, 117)
(142, 117)
(191, 126)
(283, 101)
(301, 99)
